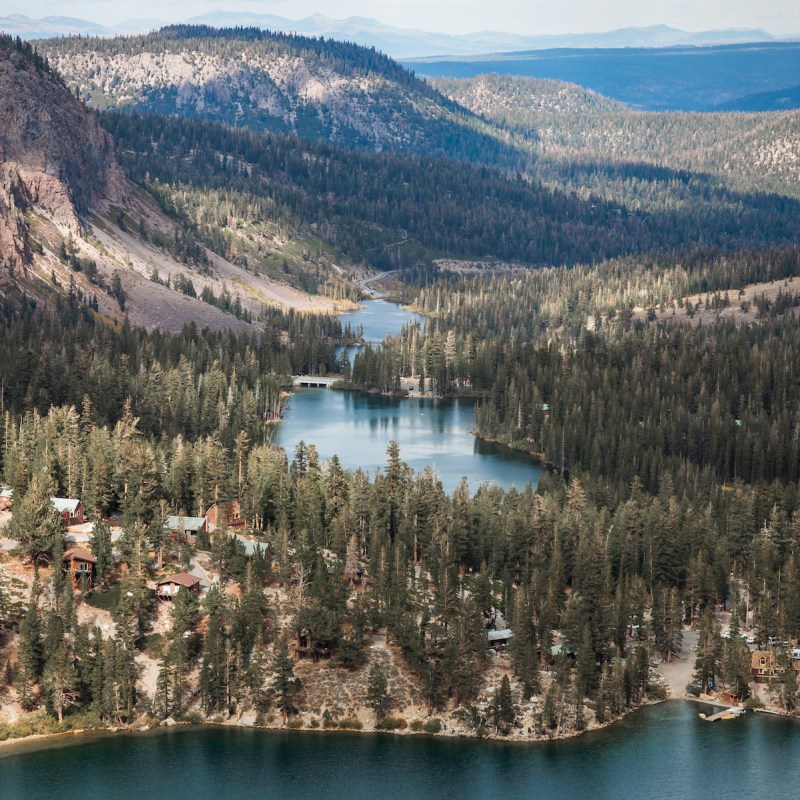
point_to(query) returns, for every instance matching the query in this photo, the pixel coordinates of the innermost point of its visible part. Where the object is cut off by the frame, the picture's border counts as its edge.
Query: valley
(561, 454)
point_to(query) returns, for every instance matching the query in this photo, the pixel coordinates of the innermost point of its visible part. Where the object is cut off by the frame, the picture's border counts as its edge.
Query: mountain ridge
(244, 77)
(396, 41)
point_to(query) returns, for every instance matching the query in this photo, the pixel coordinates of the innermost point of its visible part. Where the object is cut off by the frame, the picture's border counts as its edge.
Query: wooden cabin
(499, 639)
(764, 667)
(185, 527)
(168, 588)
(305, 645)
(225, 513)
(80, 565)
(71, 510)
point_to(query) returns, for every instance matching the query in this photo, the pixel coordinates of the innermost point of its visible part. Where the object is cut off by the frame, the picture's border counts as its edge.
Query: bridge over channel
(316, 381)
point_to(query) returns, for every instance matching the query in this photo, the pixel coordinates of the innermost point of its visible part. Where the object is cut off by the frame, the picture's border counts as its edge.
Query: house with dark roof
(168, 588)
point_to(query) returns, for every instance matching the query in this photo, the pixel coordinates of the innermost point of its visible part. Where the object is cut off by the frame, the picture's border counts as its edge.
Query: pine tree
(36, 525)
(101, 546)
(378, 698)
(503, 706)
(60, 681)
(214, 672)
(706, 663)
(30, 652)
(284, 684)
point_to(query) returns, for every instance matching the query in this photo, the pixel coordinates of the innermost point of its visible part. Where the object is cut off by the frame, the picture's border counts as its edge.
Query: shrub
(752, 703)
(655, 691)
(329, 723)
(416, 725)
(313, 723)
(391, 724)
(432, 726)
(294, 724)
(350, 724)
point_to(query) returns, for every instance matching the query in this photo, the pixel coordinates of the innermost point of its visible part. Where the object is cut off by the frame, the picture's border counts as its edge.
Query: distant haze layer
(406, 38)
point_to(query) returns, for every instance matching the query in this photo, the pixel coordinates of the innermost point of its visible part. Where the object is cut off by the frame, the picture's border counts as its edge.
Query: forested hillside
(393, 210)
(586, 140)
(246, 77)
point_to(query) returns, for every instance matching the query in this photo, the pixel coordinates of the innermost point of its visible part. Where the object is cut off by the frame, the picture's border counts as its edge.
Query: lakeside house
(224, 513)
(80, 565)
(185, 527)
(71, 510)
(168, 588)
(764, 667)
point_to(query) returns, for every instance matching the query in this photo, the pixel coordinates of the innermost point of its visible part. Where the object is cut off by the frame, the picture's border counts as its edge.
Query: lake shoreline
(46, 741)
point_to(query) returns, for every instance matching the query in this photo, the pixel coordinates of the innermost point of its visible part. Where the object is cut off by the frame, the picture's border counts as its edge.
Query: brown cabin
(71, 510)
(167, 588)
(225, 513)
(764, 667)
(79, 565)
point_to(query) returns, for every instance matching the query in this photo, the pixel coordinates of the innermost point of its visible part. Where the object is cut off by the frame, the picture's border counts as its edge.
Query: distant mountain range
(745, 77)
(397, 42)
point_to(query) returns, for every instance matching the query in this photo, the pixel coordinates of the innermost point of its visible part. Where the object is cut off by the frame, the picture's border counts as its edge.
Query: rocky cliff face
(54, 156)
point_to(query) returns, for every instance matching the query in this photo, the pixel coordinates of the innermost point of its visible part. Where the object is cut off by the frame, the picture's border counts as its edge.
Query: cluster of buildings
(81, 565)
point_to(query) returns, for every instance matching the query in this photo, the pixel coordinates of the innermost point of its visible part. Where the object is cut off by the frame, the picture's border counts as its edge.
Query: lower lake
(660, 752)
(358, 427)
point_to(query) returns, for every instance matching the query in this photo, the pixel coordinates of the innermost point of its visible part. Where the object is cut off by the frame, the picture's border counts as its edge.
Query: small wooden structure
(225, 513)
(499, 639)
(185, 527)
(305, 645)
(167, 588)
(70, 509)
(79, 565)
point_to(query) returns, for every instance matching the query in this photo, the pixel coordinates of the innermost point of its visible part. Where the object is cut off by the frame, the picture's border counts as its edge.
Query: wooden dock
(730, 712)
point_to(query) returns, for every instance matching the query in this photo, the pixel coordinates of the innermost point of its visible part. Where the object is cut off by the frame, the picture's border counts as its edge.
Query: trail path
(679, 672)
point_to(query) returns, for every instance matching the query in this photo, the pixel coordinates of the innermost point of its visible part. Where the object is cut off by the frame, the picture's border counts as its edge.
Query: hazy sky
(454, 16)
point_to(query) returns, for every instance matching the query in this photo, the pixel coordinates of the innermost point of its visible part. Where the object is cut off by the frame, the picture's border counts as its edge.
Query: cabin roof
(755, 659)
(62, 504)
(76, 554)
(6, 492)
(179, 523)
(182, 579)
(499, 636)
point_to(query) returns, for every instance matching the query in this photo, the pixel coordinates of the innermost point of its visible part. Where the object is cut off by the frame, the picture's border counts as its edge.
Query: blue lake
(659, 753)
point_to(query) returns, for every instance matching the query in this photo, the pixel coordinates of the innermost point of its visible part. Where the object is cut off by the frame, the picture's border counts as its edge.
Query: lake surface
(358, 426)
(379, 318)
(660, 752)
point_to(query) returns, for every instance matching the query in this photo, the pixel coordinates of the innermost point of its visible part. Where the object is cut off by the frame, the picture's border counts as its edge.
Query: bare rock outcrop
(54, 156)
